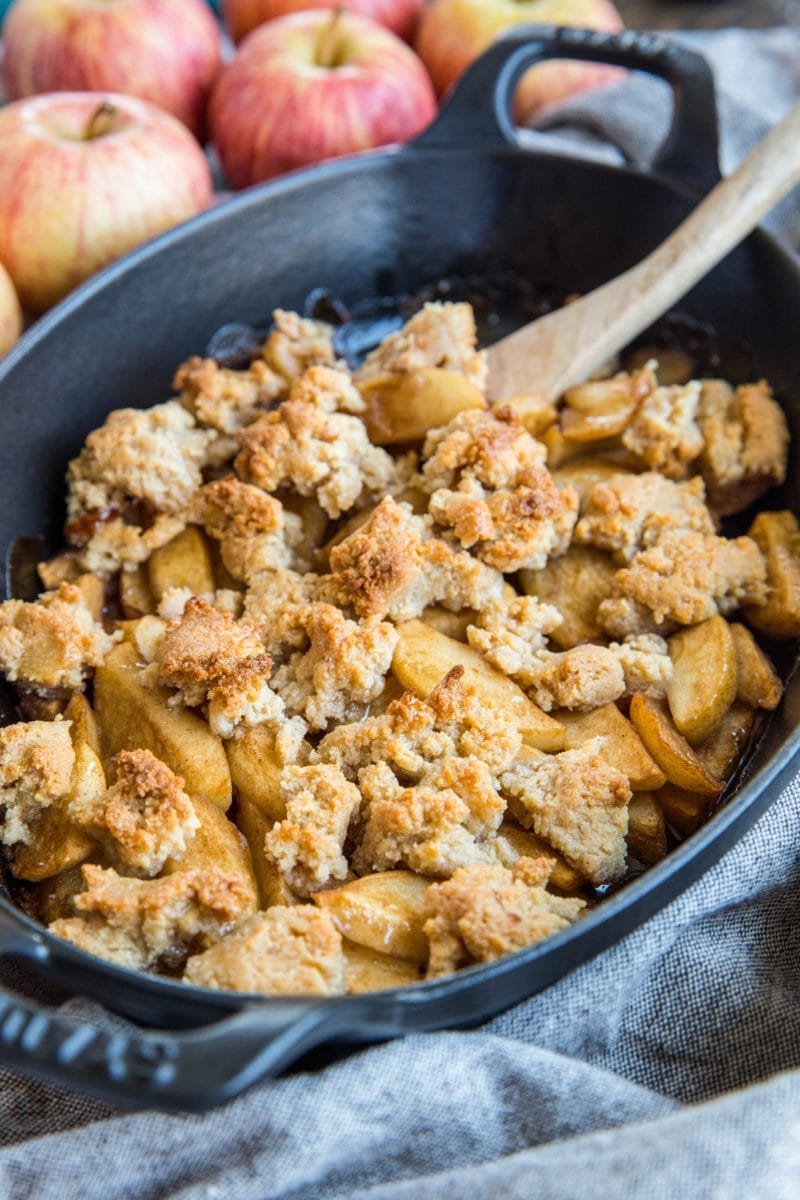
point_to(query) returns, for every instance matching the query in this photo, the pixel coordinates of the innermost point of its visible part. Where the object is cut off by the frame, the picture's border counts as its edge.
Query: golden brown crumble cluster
(442, 336)
(487, 482)
(137, 922)
(394, 566)
(144, 818)
(53, 643)
(300, 725)
(483, 912)
(36, 764)
(312, 444)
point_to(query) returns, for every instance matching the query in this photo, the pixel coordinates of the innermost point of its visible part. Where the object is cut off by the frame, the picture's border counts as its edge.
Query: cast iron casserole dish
(464, 195)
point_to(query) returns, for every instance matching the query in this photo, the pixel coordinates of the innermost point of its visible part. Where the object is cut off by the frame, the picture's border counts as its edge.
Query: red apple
(401, 16)
(83, 179)
(454, 32)
(10, 312)
(311, 86)
(165, 51)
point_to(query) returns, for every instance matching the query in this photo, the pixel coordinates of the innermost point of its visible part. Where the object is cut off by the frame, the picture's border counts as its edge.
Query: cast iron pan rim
(297, 181)
(631, 895)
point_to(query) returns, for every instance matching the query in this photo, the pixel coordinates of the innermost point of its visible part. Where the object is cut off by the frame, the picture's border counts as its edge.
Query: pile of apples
(111, 103)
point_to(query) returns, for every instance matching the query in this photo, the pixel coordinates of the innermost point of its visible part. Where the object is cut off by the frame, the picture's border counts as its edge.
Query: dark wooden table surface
(708, 14)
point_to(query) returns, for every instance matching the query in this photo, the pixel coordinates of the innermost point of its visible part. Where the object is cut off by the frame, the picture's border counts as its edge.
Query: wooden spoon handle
(565, 347)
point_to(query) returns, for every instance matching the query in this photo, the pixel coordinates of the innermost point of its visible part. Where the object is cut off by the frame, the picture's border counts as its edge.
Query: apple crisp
(349, 677)
(483, 912)
(487, 483)
(628, 513)
(36, 762)
(314, 444)
(745, 440)
(131, 483)
(53, 643)
(226, 400)
(137, 922)
(442, 336)
(144, 818)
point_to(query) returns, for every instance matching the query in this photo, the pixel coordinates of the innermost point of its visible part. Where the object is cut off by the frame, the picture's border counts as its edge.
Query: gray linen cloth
(667, 1067)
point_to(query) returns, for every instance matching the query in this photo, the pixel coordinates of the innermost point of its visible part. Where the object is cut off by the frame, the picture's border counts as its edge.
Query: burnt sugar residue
(502, 302)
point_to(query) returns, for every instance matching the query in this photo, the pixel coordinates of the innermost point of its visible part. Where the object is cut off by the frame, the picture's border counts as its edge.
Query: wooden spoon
(566, 346)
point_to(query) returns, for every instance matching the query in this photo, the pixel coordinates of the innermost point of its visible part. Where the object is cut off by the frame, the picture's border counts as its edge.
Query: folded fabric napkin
(619, 1081)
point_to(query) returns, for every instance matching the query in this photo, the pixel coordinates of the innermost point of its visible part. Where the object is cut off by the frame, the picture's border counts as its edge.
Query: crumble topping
(52, 642)
(137, 922)
(274, 601)
(445, 821)
(493, 447)
(439, 335)
(243, 699)
(510, 529)
(687, 577)
(340, 667)
(392, 567)
(174, 600)
(115, 545)
(577, 803)
(285, 951)
(323, 542)
(132, 481)
(154, 454)
(212, 659)
(511, 636)
(223, 399)
(308, 845)
(203, 646)
(450, 750)
(628, 513)
(329, 389)
(413, 736)
(645, 662)
(746, 443)
(297, 343)
(487, 484)
(584, 677)
(36, 763)
(309, 444)
(486, 911)
(144, 818)
(663, 431)
(510, 633)
(622, 617)
(589, 676)
(254, 530)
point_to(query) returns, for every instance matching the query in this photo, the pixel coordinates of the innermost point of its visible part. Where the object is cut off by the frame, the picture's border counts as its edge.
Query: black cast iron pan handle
(173, 1071)
(478, 113)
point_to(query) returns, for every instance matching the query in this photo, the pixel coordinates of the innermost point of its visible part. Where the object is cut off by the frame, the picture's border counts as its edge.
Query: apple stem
(100, 121)
(328, 47)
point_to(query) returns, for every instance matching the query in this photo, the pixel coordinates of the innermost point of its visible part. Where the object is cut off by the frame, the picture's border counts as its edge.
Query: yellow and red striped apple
(83, 179)
(242, 16)
(10, 312)
(164, 51)
(311, 86)
(452, 33)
